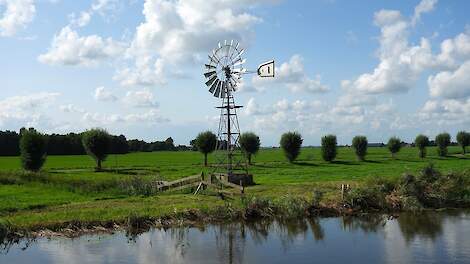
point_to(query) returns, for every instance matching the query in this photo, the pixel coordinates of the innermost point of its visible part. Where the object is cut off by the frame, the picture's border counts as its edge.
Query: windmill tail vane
(223, 74)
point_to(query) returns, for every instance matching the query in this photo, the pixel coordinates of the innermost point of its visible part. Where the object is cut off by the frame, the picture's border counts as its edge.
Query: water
(442, 237)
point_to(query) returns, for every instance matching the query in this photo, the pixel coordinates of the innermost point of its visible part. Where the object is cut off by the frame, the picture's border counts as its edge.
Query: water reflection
(426, 237)
(426, 225)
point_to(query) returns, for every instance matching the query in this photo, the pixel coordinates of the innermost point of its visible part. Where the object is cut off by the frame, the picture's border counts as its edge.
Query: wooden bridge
(198, 181)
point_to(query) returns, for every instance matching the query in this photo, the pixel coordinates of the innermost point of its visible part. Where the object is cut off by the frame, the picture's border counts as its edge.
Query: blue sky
(377, 68)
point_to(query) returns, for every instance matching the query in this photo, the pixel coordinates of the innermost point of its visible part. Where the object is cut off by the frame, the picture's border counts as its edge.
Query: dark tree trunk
(98, 165)
(205, 160)
(249, 158)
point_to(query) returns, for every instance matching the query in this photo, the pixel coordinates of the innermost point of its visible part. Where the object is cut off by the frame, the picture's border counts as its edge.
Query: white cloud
(251, 108)
(141, 98)
(445, 113)
(104, 95)
(150, 117)
(451, 85)
(175, 34)
(27, 102)
(292, 75)
(25, 110)
(454, 51)
(424, 6)
(101, 7)
(354, 99)
(16, 15)
(69, 48)
(400, 64)
(70, 108)
(82, 20)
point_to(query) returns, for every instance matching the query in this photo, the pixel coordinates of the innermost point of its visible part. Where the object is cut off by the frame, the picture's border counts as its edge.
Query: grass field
(69, 190)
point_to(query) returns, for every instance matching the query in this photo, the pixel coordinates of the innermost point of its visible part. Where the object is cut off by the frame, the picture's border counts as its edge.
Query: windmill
(223, 74)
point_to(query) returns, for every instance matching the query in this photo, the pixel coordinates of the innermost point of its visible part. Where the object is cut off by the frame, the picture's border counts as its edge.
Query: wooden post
(342, 192)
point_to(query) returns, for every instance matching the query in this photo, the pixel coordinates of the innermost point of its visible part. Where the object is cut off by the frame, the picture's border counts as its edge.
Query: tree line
(71, 144)
(33, 146)
(291, 143)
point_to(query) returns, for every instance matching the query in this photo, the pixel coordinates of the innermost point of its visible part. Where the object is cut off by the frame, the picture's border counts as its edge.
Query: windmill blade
(209, 74)
(213, 59)
(238, 44)
(224, 90)
(208, 66)
(214, 85)
(240, 61)
(231, 42)
(211, 80)
(239, 71)
(239, 54)
(220, 46)
(217, 91)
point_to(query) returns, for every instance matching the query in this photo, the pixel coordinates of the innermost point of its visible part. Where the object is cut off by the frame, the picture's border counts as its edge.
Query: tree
(359, 143)
(96, 143)
(422, 142)
(9, 143)
(205, 143)
(290, 144)
(328, 147)
(442, 142)
(33, 149)
(463, 138)
(394, 145)
(250, 144)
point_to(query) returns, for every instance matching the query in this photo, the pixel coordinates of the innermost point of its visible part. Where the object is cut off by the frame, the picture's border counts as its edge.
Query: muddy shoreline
(134, 226)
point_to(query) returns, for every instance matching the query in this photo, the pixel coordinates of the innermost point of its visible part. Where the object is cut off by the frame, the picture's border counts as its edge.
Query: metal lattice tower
(223, 73)
(229, 157)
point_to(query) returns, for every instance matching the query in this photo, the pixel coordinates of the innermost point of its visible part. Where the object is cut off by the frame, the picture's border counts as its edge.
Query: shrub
(370, 197)
(421, 143)
(290, 144)
(442, 142)
(394, 145)
(359, 143)
(257, 207)
(250, 144)
(328, 147)
(33, 149)
(206, 143)
(463, 138)
(96, 144)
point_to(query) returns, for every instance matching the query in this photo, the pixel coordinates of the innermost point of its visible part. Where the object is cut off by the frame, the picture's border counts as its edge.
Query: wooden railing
(181, 183)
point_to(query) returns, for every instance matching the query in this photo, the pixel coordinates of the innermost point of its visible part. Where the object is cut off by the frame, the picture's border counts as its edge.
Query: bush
(359, 143)
(442, 142)
(290, 144)
(394, 145)
(33, 148)
(370, 197)
(250, 144)
(463, 138)
(206, 143)
(328, 147)
(96, 144)
(421, 143)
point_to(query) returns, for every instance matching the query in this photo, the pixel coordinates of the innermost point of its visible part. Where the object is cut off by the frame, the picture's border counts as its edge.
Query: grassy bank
(68, 193)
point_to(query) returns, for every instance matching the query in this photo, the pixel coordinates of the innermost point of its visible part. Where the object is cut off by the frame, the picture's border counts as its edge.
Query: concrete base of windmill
(241, 179)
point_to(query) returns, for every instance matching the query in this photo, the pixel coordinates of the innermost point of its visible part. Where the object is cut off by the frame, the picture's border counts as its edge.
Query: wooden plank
(181, 183)
(194, 184)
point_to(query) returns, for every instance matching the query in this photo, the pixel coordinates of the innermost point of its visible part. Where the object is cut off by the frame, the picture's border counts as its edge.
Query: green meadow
(68, 189)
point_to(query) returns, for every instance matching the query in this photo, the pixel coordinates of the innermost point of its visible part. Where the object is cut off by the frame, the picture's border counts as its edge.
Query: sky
(373, 68)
